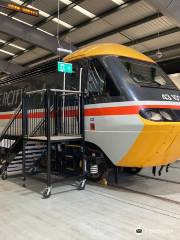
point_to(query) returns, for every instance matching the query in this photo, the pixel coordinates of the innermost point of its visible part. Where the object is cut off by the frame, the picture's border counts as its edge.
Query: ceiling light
(6, 52)
(16, 46)
(17, 2)
(64, 50)
(44, 14)
(40, 29)
(41, 13)
(78, 8)
(67, 2)
(2, 41)
(12, 45)
(62, 23)
(118, 2)
(84, 11)
(72, 29)
(95, 19)
(17, 19)
(2, 13)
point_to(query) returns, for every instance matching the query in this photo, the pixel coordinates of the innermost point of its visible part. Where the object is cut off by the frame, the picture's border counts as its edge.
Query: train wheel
(132, 170)
(46, 193)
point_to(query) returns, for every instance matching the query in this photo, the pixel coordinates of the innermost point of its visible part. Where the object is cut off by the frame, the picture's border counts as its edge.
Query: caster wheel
(24, 179)
(46, 193)
(4, 175)
(82, 185)
(33, 171)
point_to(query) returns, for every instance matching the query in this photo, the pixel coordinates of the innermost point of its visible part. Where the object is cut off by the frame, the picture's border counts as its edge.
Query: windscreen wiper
(158, 86)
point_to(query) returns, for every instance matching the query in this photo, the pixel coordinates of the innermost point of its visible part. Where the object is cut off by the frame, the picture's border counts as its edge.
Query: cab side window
(99, 83)
(96, 79)
(72, 80)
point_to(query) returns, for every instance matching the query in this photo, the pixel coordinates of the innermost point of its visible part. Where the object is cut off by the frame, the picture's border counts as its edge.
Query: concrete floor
(103, 213)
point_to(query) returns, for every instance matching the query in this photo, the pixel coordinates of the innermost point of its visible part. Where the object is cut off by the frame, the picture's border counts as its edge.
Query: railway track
(175, 167)
(113, 185)
(148, 194)
(145, 206)
(141, 192)
(158, 179)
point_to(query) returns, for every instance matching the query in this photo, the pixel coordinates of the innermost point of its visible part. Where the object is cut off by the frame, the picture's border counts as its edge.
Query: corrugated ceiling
(93, 21)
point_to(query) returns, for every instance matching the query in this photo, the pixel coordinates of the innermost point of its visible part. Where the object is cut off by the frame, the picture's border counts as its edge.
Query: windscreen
(149, 75)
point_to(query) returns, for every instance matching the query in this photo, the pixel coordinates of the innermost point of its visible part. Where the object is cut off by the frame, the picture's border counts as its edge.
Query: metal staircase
(47, 116)
(34, 153)
(61, 114)
(11, 141)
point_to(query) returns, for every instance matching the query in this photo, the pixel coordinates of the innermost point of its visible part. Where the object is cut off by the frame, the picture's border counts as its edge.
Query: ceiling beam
(41, 23)
(170, 9)
(100, 16)
(120, 29)
(12, 14)
(163, 50)
(152, 37)
(29, 34)
(61, 11)
(39, 60)
(44, 21)
(8, 67)
(25, 3)
(66, 8)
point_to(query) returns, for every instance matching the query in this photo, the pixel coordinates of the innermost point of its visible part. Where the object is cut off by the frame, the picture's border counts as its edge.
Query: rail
(58, 110)
(13, 123)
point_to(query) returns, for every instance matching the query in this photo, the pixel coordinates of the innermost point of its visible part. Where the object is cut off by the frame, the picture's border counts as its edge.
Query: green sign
(65, 67)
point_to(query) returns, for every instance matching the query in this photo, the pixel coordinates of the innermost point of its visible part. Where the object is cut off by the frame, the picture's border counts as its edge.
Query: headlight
(166, 115)
(158, 115)
(154, 116)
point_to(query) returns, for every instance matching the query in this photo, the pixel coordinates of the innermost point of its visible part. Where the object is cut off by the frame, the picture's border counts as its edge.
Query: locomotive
(132, 108)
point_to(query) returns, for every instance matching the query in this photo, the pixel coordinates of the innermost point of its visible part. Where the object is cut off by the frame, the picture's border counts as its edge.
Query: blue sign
(65, 67)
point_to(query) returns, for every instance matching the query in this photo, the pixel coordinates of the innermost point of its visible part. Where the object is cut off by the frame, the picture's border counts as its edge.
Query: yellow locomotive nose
(157, 144)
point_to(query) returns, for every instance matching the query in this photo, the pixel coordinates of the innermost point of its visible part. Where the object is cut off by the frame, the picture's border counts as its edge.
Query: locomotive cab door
(73, 88)
(77, 80)
(101, 86)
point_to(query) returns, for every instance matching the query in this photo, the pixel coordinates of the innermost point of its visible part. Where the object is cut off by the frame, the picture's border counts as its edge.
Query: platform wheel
(33, 171)
(4, 175)
(82, 184)
(46, 193)
(132, 170)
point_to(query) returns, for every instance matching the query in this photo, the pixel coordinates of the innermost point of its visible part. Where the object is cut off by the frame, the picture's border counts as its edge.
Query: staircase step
(33, 152)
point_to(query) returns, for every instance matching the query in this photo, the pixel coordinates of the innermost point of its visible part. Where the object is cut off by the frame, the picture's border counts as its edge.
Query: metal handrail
(39, 125)
(36, 91)
(53, 90)
(65, 91)
(18, 110)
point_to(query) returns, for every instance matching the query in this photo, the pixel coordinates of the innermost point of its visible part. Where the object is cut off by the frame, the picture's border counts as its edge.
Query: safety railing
(12, 131)
(14, 126)
(54, 112)
(33, 112)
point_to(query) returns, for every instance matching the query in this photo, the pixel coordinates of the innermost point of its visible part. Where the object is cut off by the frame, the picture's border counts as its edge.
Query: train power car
(132, 108)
